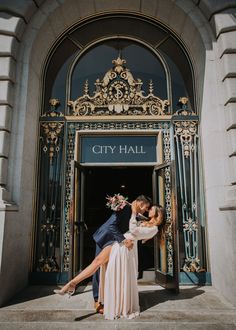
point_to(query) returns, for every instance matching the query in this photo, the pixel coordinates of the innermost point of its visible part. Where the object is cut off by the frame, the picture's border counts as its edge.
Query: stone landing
(193, 308)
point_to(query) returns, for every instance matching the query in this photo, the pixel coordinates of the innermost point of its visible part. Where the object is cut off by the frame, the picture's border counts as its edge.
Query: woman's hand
(129, 244)
(144, 224)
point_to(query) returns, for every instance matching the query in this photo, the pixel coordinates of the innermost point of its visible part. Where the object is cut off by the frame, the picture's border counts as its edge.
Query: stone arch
(51, 20)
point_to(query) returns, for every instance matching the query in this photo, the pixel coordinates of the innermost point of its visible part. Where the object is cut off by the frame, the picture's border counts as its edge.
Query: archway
(25, 179)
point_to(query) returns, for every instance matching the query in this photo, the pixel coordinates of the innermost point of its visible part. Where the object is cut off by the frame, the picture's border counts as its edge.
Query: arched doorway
(155, 54)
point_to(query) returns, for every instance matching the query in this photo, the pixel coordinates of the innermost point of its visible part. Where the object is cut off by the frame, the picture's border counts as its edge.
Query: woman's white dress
(118, 289)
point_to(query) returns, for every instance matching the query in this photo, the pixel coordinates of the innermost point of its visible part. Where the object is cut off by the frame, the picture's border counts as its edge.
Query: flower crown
(116, 202)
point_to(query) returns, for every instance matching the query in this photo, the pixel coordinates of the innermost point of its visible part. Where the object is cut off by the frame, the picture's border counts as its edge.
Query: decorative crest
(53, 112)
(118, 93)
(183, 107)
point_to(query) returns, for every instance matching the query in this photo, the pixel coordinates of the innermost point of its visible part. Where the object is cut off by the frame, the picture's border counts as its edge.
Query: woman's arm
(141, 232)
(147, 224)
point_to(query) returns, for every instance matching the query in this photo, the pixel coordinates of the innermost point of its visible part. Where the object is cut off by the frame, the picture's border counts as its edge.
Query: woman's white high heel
(67, 289)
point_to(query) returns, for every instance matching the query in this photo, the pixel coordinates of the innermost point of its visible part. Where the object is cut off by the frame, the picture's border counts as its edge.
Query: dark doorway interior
(103, 181)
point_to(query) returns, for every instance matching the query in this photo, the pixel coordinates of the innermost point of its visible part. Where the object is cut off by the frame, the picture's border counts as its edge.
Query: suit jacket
(114, 228)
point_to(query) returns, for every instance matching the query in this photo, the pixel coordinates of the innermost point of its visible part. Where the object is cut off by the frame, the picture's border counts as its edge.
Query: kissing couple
(115, 267)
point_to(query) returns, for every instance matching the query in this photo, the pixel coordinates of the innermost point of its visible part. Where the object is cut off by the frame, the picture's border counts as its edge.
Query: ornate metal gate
(117, 104)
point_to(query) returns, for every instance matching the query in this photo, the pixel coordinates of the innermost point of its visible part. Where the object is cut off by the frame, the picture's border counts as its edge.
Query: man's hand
(129, 244)
(134, 207)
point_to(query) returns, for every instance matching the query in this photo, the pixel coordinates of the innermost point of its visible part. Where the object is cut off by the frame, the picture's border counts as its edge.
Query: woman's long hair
(159, 219)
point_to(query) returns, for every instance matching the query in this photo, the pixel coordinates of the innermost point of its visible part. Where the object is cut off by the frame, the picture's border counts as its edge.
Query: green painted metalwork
(185, 123)
(49, 192)
(57, 147)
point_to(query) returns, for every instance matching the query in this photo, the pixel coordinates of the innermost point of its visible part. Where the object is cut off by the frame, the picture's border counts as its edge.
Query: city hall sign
(118, 149)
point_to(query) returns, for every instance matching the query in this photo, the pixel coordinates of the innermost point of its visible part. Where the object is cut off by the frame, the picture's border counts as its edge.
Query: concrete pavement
(193, 308)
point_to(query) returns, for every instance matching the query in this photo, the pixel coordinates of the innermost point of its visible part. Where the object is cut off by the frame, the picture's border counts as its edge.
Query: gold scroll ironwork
(118, 93)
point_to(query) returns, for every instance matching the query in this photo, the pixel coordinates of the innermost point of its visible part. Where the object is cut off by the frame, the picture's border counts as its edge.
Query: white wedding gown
(118, 288)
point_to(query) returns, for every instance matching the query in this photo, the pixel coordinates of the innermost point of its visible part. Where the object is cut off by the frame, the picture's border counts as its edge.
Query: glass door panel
(77, 224)
(166, 254)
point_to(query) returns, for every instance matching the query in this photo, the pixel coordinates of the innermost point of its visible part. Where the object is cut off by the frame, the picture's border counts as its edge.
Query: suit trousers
(95, 280)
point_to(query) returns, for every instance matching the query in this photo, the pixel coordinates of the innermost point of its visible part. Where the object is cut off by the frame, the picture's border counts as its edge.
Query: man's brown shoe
(99, 307)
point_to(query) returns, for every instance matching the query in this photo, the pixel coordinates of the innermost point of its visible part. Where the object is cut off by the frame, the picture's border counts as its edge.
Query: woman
(120, 292)
(118, 289)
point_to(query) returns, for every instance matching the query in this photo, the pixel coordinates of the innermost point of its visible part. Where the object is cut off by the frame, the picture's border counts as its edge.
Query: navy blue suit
(111, 231)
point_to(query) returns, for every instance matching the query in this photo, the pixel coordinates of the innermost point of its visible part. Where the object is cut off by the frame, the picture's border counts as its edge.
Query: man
(112, 231)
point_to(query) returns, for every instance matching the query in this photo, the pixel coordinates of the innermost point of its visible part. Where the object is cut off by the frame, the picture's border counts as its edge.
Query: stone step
(148, 276)
(118, 326)
(89, 319)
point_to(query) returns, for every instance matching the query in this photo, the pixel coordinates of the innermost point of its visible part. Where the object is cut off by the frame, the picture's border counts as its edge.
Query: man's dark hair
(145, 199)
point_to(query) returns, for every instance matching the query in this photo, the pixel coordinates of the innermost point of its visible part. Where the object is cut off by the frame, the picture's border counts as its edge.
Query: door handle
(80, 225)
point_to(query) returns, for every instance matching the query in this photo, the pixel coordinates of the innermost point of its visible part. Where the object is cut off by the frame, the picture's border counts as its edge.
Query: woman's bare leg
(100, 259)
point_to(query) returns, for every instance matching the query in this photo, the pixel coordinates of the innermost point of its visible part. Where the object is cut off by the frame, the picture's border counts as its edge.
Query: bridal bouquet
(116, 202)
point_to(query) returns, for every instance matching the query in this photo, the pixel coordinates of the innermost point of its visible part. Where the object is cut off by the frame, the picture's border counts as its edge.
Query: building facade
(102, 97)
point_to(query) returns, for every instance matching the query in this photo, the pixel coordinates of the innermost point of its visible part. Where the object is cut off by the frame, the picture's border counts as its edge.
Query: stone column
(14, 17)
(225, 25)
